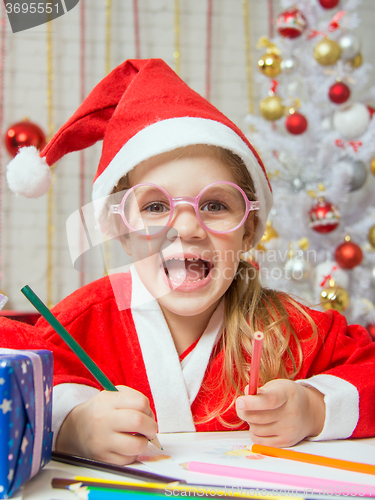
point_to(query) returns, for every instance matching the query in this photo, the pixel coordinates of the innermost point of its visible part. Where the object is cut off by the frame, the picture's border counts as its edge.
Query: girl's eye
(213, 206)
(156, 208)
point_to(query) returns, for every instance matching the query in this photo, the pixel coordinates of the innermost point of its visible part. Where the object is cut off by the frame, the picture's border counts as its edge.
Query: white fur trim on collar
(174, 133)
(173, 388)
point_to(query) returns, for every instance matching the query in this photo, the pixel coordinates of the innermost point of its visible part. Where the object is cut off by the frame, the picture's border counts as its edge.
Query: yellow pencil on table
(299, 456)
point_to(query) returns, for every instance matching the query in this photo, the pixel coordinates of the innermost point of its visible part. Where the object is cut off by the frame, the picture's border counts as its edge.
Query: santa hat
(141, 109)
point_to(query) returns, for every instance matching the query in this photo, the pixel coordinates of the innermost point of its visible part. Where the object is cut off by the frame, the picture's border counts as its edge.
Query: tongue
(186, 271)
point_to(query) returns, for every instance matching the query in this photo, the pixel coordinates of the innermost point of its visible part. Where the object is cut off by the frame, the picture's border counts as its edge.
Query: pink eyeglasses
(221, 207)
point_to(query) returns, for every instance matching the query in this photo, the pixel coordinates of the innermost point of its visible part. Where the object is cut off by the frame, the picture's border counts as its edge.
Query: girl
(186, 194)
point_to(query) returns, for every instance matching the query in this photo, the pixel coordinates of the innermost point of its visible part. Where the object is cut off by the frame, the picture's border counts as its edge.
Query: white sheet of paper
(233, 452)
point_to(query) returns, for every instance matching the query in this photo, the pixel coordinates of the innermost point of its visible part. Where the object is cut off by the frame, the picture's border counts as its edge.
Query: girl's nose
(186, 223)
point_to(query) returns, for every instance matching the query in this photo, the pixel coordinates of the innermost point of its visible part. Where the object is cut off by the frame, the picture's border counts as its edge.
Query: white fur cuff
(65, 398)
(342, 406)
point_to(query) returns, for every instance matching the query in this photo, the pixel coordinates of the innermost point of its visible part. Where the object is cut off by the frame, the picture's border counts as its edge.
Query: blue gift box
(26, 379)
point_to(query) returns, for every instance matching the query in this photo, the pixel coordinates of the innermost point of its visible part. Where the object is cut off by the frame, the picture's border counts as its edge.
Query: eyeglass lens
(221, 207)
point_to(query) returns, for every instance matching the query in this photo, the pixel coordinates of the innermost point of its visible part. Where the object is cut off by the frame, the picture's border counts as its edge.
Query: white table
(39, 488)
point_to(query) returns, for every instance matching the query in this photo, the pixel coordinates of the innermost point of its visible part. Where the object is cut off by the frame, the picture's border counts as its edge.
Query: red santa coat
(340, 362)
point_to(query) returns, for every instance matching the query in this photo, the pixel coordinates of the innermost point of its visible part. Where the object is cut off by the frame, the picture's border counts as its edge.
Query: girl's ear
(248, 237)
(123, 234)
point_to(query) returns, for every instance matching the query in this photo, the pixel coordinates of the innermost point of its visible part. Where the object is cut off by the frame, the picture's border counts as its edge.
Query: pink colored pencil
(255, 363)
(309, 485)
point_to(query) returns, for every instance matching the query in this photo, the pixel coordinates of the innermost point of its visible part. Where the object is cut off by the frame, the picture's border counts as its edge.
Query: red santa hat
(141, 109)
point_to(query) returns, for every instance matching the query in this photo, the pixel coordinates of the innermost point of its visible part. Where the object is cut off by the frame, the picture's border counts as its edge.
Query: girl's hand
(111, 427)
(282, 413)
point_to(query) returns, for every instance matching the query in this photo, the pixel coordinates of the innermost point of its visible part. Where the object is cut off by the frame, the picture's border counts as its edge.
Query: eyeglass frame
(190, 200)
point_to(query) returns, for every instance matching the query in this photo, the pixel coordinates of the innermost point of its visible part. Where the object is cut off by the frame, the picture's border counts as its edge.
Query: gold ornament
(371, 236)
(271, 108)
(304, 243)
(334, 297)
(269, 233)
(356, 61)
(372, 166)
(270, 64)
(327, 52)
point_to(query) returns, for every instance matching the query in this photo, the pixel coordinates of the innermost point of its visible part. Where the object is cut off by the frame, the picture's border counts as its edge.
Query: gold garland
(108, 44)
(246, 19)
(50, 201)
(177, 33)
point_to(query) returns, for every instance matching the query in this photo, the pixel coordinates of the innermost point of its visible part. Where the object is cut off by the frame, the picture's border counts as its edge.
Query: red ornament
(339, 93)
(371, 329)
(329, 4)
(22, 134)
(296, 123)
(348, 255)
(324, 216)
(291, 23)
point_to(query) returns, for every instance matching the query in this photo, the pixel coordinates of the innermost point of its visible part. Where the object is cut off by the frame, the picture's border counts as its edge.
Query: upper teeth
(183, 259)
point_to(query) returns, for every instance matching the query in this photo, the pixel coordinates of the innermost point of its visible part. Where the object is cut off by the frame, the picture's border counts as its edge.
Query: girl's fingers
(133, 421)
(117, 459)
(265, 417)
(127, 444)
(266, 430)
(127, 398)
(268, 398)
(275, 441)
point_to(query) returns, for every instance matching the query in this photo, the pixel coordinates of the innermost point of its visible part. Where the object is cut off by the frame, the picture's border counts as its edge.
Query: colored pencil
(115, 469)
(313, 459)
(200, 490)
(93, 493)
(255, 363)
(3, 300)
(64, 484)
(171, 489)
(74, 346)
(309, 485)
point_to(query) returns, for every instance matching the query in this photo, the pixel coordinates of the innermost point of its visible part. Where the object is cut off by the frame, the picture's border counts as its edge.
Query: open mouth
(187, 269)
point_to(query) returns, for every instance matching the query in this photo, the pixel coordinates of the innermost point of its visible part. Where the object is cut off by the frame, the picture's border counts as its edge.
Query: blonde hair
(249, 307)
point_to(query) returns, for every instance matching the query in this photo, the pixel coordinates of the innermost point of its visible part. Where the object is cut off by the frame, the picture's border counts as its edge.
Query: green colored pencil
(68, 339)
(73, 344)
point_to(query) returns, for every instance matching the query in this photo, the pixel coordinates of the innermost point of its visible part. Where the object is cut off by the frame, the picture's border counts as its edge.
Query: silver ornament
(373, 276)
(325, 271)
(289, 64)
(351, 120)
(355, 170)
(297, 184)
(298, 269)
(349, 45)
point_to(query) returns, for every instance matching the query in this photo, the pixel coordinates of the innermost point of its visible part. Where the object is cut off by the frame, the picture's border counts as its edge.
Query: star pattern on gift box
(18, 417)
(6, 405)
(47, 393)
(24, 444)
(10, 475)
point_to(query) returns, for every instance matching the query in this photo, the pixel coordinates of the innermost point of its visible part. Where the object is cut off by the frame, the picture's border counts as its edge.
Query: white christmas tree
(316, 136)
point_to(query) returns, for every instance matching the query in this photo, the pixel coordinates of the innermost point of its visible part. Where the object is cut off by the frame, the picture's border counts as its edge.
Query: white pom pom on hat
(28, 174)
(141, 109)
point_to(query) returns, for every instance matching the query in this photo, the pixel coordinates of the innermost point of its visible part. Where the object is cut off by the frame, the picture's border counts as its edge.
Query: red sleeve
(348, 353)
